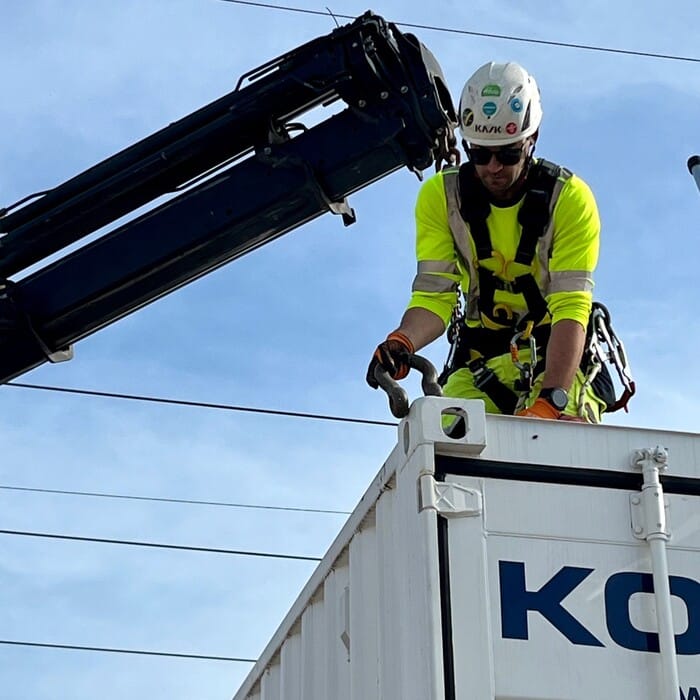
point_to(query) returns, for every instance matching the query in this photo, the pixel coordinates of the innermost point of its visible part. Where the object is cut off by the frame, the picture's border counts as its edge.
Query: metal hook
(398, 398)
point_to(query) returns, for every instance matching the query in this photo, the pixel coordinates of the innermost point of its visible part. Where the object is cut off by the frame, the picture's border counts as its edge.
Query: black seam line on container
(187, 501)
(199, 404)
(446, 608)
(110, 650)
(574, 476)
(485, 35)
(133, 543)
(680, 485)
(547, 474)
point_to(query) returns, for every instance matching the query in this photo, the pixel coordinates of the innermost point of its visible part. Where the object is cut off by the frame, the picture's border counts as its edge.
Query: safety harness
(534, 217)
(498, 332)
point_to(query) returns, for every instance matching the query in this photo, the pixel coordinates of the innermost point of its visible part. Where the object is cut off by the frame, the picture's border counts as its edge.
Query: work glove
(392, 357)
(540, 409)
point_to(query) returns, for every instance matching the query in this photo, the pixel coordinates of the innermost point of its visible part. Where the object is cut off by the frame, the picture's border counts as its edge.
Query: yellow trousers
(461, 385)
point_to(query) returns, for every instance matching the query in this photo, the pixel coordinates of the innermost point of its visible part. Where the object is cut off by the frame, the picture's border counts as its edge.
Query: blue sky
(290, 326)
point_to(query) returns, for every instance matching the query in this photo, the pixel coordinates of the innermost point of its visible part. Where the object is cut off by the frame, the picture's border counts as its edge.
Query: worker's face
(499, 168)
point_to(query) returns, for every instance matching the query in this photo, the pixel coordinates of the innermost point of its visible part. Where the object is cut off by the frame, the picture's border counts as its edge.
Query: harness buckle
(481, 373)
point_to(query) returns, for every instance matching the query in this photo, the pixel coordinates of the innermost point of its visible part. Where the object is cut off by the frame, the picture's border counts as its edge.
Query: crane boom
(262, 175)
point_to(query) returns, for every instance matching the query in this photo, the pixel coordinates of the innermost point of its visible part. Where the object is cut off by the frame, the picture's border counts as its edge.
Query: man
(519, 236)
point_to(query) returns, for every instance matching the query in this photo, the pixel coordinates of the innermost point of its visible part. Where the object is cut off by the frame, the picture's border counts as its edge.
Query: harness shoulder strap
(542, 188)
(536, 211)
(474, 206)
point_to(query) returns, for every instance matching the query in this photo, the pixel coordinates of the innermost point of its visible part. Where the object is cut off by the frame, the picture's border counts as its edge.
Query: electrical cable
(199, 404)
(110, 650)
(189, 501)
(486, 35)
(158, 545)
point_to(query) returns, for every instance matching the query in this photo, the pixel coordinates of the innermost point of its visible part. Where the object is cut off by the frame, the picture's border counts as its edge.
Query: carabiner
(515, 352)
(527, 369)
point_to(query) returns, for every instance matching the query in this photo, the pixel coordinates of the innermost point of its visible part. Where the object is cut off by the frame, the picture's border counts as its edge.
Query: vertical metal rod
(652, 462)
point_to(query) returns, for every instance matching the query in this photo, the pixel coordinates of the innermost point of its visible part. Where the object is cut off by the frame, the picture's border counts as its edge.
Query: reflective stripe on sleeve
(570, 281)
(428, 282)
(445, 266)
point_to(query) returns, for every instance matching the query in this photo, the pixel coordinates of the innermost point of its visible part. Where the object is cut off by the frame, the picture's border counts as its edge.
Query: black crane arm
(262, 174)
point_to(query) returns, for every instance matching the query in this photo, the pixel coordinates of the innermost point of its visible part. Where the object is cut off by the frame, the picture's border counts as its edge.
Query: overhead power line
(486, 35)
(110, 650)
(158, 545)
(198, 404)
(188, 501)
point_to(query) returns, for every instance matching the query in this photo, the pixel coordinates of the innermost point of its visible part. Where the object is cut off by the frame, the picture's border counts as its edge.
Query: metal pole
(652, 462)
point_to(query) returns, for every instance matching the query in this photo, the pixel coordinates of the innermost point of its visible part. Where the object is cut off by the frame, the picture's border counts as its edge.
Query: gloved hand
(392, 356)
(540, 409)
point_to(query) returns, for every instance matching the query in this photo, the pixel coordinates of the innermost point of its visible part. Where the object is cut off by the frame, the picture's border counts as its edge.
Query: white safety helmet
(500, 104)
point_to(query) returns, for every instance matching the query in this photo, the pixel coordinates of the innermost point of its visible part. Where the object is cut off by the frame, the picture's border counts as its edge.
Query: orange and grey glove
(540, 409)
(392, 357)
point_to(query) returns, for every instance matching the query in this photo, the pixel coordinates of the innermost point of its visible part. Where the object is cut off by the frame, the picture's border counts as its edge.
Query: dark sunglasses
(510, 155)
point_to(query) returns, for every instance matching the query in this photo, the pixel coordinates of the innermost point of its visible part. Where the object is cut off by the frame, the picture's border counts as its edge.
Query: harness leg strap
(485, 380)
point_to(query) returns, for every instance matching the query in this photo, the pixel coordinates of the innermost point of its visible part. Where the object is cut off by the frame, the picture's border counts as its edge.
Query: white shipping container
(527, 560)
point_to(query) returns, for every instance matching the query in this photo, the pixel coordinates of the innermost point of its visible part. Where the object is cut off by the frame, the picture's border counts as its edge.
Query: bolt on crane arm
(261, 176)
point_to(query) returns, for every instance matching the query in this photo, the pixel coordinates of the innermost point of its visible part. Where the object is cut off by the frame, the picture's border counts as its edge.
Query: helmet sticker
(467, 117)
(489, 108)
(516, 104)
(511, 128)
(491, 91)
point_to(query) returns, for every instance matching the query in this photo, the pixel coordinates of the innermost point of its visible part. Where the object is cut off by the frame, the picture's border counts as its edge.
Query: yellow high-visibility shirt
(570, 264)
